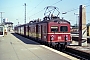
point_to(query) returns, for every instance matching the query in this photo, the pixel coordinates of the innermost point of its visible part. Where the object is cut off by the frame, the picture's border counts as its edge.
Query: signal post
(82, 26)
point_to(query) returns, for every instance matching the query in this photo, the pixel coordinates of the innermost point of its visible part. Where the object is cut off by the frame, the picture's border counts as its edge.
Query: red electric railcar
(53, 31)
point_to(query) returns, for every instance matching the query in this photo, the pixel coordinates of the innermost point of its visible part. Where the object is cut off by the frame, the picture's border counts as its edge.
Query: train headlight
(66, 37)
(52, 37)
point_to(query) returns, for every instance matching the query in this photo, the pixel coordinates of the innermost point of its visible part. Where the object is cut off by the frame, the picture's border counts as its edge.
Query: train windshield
(54, 28)
(63, 29)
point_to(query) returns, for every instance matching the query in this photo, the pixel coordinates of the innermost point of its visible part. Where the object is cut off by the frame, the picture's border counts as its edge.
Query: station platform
(16, 47)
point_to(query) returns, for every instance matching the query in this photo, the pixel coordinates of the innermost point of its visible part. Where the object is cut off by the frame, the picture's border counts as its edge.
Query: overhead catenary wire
(56, 2)
(33, 8)
(75, 9)
(78, 8)
(37, 12)
(43, 9)
(36, 5)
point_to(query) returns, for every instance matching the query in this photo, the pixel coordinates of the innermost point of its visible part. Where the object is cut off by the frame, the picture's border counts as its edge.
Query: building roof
(8, 23)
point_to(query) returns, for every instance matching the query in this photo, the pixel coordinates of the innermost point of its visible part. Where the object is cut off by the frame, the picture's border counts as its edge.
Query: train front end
(59, 33)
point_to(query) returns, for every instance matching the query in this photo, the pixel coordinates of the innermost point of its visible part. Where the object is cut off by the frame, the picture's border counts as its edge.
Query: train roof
(47, 20)
(20, 25)
(54, 19)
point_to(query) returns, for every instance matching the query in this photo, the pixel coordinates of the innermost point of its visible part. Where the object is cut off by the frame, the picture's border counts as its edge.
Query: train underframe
(59, 45)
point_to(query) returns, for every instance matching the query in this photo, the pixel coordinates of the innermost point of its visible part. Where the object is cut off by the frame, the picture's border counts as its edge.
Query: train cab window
(63, 28)
(54, 29)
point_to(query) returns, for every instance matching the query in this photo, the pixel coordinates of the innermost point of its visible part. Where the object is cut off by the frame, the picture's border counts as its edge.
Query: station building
(9, 26)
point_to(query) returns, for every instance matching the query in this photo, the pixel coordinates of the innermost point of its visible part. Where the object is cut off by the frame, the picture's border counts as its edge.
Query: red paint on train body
(54, 30)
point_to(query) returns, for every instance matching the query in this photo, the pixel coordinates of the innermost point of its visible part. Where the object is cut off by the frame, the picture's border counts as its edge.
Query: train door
(44, 32)
(1, 30)
(24, 30)
(28, 30)
(36, 32)
(41, 32)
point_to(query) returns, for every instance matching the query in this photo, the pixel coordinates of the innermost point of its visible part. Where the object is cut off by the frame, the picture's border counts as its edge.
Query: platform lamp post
(18, 21)
(77, 15)
(63, 14)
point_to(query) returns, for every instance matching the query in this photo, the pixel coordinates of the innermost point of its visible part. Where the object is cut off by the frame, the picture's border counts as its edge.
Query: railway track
(76, 54)
(72, 52)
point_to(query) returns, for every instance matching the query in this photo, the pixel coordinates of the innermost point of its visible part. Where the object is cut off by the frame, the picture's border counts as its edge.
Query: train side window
(54, 28)
(63, 28)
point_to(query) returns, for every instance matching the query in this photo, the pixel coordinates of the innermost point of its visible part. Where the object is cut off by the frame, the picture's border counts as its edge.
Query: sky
(14, 10)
